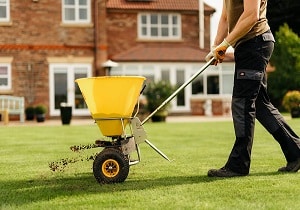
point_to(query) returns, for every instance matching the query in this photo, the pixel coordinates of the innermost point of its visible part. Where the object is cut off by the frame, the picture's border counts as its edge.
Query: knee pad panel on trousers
(238, 115)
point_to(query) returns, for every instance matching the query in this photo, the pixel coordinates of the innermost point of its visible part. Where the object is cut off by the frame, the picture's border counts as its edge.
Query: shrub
(29, 110)
(156, 93)
(291, 100)
(40, 109)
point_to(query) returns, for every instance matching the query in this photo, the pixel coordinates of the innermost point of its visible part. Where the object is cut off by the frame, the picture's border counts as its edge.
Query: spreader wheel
(111, 166)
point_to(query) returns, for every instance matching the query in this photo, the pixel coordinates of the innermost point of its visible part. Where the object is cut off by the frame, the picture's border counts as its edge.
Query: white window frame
(77, 7)
(159, 26)
(7, 76)
(68, 68)
(7, 6)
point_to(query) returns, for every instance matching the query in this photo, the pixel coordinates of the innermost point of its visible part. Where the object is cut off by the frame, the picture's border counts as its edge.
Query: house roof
(190, 5)
(158, 53)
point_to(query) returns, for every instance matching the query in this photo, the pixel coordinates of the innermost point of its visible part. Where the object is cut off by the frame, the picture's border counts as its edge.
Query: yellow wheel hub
(110, 168)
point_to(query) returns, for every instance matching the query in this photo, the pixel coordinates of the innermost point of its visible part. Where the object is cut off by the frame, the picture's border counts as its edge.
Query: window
(180, 77)
(5, 76)
(76, 11)
(227, 83)
(227, 78)
(159, 26)
(4, 11)
(197, 85)
(64, 89)
(213, 84)
(217, 80)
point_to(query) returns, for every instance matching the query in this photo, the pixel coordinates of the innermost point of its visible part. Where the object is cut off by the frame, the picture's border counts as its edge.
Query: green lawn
(26, 182)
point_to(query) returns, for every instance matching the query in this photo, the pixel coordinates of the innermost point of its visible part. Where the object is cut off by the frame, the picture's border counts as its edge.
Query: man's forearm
(222, 31)
(241, 29)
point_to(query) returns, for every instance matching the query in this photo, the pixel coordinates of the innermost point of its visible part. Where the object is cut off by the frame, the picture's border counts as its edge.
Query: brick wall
(35, 33)
(122, 31)
(40, 24)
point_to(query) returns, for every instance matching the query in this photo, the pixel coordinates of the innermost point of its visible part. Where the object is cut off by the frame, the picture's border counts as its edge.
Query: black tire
(110, 166)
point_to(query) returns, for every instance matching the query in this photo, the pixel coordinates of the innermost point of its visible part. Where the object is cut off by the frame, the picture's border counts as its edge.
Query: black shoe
(291, 167)
(223, 172)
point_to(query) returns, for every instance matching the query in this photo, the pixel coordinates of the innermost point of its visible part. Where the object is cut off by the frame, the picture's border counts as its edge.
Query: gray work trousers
(250, 100)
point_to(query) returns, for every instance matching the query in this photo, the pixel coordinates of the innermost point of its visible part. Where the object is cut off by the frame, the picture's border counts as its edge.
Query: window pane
(144, 19)
(60, 91)
(165, 32)
(3, 12)
(82, 14)
(69, 2)
(3, 82)
(165, 74)
(82, 2)
(69, 14)
(154, 31)
(131, 70)
(144, 31)
(154, 19)
(174, 20)
(3, 70)
(164, 19)
(197, 85)
(175, 32)
(227, 83)
(213, 84)
(4, 77)
(116, 71)
(180, 80)
(79, 100)
(226, 67)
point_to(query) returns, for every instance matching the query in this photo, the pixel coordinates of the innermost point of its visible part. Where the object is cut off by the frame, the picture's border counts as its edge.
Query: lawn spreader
(111, 101)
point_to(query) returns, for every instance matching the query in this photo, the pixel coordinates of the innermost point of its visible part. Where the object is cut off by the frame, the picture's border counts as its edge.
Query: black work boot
(291, 166)
(223, 172)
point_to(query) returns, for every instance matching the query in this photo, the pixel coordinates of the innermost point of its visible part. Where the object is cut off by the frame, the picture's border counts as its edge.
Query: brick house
(46, 44)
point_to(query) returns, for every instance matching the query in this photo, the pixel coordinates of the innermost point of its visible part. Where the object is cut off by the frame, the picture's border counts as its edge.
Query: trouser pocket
(247, 83)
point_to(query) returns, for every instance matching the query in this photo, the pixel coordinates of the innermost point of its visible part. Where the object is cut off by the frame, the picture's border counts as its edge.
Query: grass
(27, 183)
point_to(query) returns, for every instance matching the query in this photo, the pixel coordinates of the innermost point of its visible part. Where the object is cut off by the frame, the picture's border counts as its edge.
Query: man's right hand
(218, 52)
(210, 55)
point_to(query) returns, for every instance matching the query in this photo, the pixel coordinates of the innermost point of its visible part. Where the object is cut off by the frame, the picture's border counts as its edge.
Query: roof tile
(191, 5)
(159, 53)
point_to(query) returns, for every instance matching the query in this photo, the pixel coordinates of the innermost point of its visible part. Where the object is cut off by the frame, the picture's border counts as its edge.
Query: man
(243, 25)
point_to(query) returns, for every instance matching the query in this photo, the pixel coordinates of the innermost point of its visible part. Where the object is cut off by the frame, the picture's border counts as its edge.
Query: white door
(63, 88)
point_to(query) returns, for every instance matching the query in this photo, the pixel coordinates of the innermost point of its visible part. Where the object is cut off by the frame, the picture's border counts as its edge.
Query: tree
(286, 60)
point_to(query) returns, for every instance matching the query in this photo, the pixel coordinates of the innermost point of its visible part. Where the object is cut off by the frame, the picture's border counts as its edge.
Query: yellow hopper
(111, 100)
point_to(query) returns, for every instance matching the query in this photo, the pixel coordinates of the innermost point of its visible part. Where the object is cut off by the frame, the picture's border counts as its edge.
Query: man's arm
(223, 40)
(222, 31)
(246, 21)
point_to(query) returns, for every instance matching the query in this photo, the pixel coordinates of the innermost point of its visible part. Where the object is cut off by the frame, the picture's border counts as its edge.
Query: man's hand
(218, 52)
